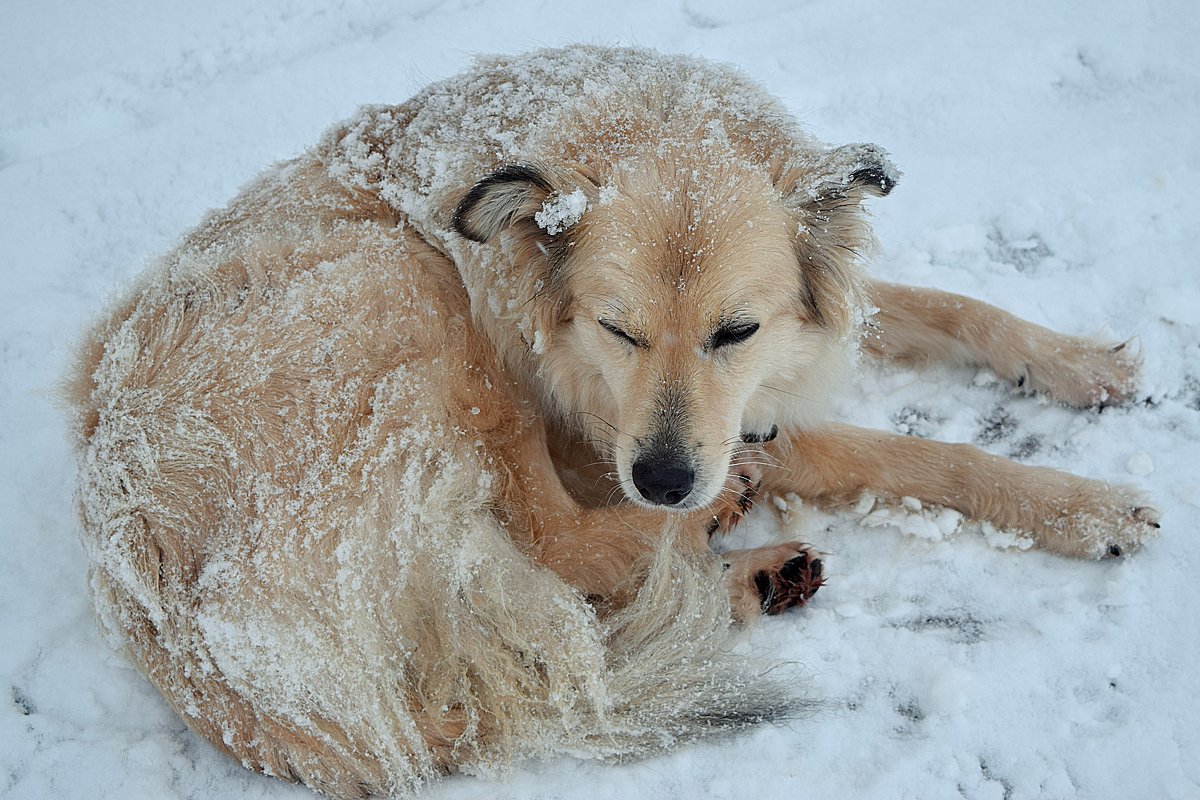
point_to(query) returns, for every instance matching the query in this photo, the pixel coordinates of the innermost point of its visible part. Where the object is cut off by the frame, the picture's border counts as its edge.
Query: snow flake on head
(538, 345)
(862, 314)
(608, 193)
(561, 211)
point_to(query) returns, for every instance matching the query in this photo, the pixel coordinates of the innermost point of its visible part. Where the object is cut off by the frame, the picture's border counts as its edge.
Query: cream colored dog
(407, 460)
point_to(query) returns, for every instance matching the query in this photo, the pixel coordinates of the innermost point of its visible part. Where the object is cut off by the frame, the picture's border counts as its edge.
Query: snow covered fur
(407, 460)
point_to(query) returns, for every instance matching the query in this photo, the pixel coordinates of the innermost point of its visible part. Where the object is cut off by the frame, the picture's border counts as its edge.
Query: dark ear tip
(518, 173)
(852, 170)
(464, 216)
(874, 169)
(883, 180)
(461, 222)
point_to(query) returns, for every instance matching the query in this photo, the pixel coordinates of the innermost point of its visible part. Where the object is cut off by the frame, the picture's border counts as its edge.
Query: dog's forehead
(694, 236)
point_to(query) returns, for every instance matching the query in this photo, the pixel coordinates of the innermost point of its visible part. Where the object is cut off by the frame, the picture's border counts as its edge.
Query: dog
(408, 460)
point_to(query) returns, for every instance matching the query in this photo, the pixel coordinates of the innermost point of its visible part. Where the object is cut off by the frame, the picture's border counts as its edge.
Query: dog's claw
(1148, 515)
(731, 511)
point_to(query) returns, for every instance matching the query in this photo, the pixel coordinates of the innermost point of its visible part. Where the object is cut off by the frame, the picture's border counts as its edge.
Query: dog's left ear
(550, 198)
(825, 191)
(850, 172)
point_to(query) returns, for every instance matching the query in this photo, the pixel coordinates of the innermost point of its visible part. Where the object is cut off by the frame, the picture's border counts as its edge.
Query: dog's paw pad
(791, 585)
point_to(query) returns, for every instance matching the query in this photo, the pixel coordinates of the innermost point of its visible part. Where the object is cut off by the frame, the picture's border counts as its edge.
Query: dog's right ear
(509, 194)
(549, 198)
(535, 205)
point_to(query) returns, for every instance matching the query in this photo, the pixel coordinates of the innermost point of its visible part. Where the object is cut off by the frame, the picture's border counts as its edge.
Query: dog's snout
(663, 481)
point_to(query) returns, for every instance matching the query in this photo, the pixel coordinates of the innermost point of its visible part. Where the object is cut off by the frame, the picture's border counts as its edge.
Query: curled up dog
(407, 461)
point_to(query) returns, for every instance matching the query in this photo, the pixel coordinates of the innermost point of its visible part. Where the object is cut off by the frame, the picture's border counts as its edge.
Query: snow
(561, 212)
(1048, 153)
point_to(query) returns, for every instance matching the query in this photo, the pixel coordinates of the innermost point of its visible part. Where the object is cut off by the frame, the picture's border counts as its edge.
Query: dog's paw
(770, 580)
(1101, 522)
(791, 585)
(1084, 373)
(736, 498)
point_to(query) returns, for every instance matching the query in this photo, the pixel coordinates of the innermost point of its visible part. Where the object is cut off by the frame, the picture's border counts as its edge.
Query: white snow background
(1051, 163)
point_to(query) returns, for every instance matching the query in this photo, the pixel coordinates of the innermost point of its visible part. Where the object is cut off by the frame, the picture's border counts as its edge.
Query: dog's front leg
(602, 551)
(926, 325)
(760, 580)
(1062, 512)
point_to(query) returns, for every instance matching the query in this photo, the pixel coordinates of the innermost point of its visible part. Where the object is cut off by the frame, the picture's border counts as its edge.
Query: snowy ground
(1051, 163)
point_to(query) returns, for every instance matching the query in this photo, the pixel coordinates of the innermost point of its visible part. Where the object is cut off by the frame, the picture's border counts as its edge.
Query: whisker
(746, 455)
(608, 500)
(753, 464)
(789, 394)
(598, 419)
(735, 455)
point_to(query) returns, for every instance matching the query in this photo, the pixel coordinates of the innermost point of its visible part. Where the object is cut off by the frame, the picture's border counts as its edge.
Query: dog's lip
(750, 437)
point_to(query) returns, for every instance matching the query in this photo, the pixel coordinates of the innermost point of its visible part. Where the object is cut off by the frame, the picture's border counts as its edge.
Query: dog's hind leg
(926, 325)
(1063, 513)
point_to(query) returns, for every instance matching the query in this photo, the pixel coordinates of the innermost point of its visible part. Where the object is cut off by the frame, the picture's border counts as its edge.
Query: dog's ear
(513, 192)
(551, 198)
(847, 173)
(825, 191)
(536, 207)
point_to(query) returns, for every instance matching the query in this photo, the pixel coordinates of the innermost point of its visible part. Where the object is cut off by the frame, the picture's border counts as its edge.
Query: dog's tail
(520, 665)
(660, 671)
(673, 669)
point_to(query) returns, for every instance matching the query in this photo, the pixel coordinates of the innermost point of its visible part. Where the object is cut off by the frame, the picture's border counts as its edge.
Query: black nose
(663, 481)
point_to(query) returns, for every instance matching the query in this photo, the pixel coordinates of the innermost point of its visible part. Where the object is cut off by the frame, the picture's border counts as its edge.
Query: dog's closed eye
(735, 333)
(615, 330)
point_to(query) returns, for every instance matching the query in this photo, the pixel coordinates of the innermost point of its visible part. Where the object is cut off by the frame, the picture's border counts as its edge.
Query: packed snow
(1048, 153)
(561, 212)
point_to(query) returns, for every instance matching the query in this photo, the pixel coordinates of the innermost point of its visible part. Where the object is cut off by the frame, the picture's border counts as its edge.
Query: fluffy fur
(406, 461)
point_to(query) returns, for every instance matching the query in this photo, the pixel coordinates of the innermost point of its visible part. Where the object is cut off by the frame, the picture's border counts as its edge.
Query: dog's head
(684, 301)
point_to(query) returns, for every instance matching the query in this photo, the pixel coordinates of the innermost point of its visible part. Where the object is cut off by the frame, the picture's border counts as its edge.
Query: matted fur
(360, 458)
